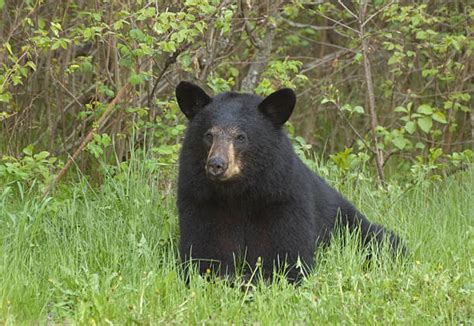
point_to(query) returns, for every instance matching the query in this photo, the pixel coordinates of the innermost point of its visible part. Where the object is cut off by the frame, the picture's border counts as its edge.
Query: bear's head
(234, 135)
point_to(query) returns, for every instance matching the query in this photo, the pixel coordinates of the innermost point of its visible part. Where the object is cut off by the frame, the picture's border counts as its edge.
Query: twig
(377, 12)
(248, 29)
(76, 100)
(348, 10)
(313, 27)
(323, 60)
(169, 61)
(339, 23)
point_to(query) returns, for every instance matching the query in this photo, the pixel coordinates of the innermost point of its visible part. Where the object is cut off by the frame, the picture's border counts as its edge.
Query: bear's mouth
(220, 178)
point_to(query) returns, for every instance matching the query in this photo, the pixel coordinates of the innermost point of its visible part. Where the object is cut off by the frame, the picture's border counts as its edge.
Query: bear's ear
(279, 105)
(191, 98)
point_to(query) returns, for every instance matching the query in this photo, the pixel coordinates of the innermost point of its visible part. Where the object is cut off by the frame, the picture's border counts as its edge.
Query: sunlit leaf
(425, 124)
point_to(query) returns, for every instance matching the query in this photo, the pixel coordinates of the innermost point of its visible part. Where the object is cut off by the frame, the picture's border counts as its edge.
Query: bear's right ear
(191, 98)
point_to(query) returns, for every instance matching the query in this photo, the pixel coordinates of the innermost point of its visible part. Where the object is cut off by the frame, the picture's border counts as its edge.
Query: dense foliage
(384, 82)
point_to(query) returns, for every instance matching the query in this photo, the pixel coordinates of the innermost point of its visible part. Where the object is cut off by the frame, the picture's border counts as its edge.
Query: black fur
(277, 209)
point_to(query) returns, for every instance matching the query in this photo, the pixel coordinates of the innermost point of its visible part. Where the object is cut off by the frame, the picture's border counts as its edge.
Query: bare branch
(300, 25)
(248, 29)
(379, 159)
(75, 99)
(339, 23)
(103, 118)
(169, 61)
(321, 61)
(348, 10)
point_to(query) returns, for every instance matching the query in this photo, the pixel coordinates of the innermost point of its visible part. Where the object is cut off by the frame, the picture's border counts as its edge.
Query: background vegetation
(385, 82)
(87, 103)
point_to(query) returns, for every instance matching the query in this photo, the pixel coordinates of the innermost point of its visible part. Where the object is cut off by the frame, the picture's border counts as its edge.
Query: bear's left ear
(279, 105)
(191, 98)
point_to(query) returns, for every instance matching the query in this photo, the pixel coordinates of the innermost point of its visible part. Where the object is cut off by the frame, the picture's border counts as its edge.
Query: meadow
(107, 255)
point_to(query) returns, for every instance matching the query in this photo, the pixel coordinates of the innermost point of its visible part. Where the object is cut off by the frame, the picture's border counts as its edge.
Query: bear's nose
(216, 166)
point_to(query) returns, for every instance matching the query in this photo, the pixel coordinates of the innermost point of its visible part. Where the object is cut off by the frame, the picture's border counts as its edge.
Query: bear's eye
(208, 136)
(241, 138)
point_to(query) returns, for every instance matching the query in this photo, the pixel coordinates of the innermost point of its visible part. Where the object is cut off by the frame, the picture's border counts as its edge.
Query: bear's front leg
(208, 241)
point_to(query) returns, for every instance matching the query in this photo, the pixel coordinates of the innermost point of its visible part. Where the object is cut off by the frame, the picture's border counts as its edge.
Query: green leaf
(358, 57)
(185, 60)
(448, 105)
(429, 72)
(87, 34)
(41, 155)
(5, 97)
(136, 79)
(164, 150)
(346, 107)
(327, 100)
(118, 25)
(56, 45)
(410, 127)
(31, 64)
(399, 142)
(137, 34)
(167, 46)
(16, 79)
(420, 145)
(96, 16)
(421, 35)
(28, 150)
(425, 109)
(425, 124)
(86, 66)
(439, 116)
(393, 59)
(401, 109)
(8, 47)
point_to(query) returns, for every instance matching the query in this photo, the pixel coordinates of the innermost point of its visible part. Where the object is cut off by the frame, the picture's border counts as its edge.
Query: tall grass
(109, 256)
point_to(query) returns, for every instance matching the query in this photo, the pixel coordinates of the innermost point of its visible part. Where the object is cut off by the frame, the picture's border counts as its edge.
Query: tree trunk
(262, 54)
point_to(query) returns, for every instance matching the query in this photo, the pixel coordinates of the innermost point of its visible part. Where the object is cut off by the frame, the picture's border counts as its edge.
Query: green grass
(109, 256)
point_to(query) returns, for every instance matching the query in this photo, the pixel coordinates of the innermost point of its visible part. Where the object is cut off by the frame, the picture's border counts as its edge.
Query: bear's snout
(216, 166)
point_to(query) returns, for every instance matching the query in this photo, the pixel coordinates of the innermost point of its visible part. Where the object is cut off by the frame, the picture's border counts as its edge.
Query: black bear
(244, 194)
